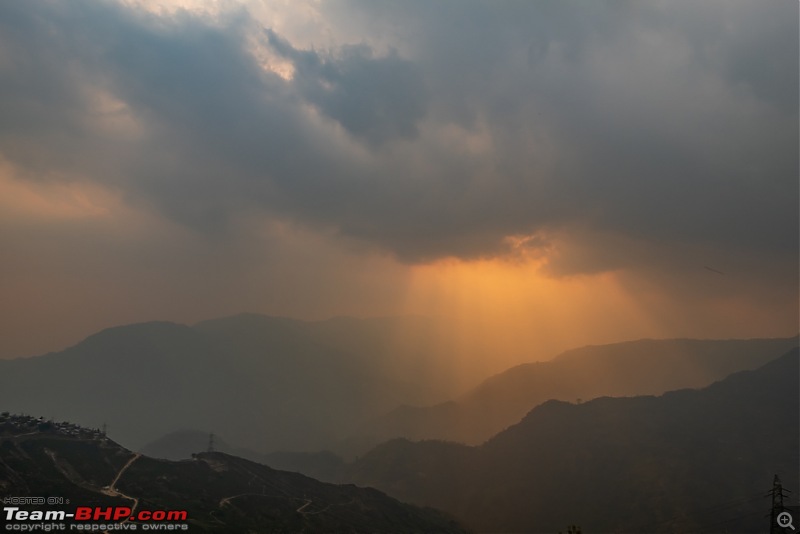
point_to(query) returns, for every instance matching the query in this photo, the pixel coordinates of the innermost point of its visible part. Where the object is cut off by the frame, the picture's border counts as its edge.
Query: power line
(777, 494)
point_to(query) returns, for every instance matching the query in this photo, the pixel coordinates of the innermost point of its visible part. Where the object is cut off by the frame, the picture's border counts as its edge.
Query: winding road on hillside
(112, 491)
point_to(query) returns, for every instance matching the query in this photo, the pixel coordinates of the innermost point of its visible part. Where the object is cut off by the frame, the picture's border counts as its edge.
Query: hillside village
(15, 425)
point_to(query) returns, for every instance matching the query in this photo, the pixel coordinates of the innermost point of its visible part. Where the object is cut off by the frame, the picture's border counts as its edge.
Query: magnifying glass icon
(785, 520)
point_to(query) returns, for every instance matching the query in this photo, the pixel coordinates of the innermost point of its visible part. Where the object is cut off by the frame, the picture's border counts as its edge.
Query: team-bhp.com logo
(87, 518)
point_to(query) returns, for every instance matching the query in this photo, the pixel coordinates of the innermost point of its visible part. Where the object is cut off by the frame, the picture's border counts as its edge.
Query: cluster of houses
(22, 424)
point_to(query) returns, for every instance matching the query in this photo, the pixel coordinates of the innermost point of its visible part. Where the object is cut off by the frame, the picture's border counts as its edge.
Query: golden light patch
(502, 312)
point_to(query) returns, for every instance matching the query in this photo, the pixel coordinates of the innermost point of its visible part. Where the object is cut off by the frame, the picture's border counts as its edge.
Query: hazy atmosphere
(400, 265)
(536, 175)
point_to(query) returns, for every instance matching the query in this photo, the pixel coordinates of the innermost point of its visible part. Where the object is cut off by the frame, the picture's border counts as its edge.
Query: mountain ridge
(219, 492)
(646, 366)
(668, 458)
(147, 379)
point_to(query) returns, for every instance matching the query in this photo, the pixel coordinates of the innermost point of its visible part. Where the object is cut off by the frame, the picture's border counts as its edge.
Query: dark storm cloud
(219, 134)
(669, 122)
(375, 99)
(662, 123)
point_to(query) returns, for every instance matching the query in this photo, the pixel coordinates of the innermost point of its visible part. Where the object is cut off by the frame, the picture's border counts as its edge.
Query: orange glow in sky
(502, 312)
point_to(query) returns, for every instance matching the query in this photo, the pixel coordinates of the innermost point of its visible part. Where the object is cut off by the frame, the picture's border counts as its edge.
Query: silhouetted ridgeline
(264, 383)
(221, 493)
(687, 461)
(645, 367)
(182, 444)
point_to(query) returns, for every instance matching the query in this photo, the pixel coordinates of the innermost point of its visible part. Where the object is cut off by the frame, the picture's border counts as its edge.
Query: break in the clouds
(648, 137)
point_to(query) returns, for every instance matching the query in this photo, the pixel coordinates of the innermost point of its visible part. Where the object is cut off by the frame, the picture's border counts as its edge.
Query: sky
(535, 175)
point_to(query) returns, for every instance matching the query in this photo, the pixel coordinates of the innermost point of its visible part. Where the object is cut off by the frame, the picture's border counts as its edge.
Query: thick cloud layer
(647, 137)
(662, 122)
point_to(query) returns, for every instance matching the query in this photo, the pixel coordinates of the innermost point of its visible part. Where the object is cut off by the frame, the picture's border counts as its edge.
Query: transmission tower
(777, 493)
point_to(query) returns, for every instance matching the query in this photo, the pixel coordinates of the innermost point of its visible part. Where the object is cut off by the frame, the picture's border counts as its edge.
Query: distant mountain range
(687, 461)
(262, 382)
(543, 445)
(269, 384)
(633, 368)
(221, 493)
(644, 367)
